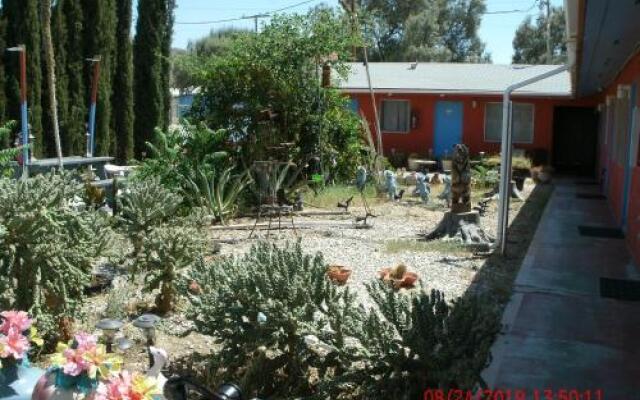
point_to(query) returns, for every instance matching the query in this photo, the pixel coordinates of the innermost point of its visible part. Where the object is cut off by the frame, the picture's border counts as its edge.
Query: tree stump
(463, 226)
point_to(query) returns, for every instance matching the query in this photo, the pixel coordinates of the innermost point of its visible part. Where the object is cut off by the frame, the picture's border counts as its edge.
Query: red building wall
(420, 139)
(616, 171)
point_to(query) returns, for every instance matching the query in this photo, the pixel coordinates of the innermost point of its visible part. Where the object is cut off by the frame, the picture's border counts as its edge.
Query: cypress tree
(166, 57)
(100, 32)
(23, 27)
(77, 95)
(151, 85)
(122, 96)
(3, 98)
(59, 33)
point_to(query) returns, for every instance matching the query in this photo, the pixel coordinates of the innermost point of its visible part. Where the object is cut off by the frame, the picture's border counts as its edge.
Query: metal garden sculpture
(392, 184)
(423, 188)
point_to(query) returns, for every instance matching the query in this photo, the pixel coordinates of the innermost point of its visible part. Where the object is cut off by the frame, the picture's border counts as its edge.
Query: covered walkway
(558, 331)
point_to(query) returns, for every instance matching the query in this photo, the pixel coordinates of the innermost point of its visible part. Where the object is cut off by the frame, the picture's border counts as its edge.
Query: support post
(506, 150)
(24, 112)
(95, 79)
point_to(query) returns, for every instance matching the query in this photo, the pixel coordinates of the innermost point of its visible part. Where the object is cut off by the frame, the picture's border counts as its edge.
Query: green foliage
(181, 152)
(23, 27)
(144, 205)
(265, 90)
(485, 177)
(151, 69)
(218, 191)
(122, 95)
(7, 155)
(441, 30)
(420, 341)
(277, 317)
(530, 41)
(167, 251)
(46, 248)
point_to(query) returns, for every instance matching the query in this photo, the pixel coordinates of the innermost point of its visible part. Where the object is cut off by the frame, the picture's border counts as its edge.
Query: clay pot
(339, 274)
(407, 281)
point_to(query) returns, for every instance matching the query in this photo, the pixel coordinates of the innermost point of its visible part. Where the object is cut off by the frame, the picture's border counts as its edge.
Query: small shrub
(146, 204)
(420, 341)
(282, 325)
(46, 248)
(484, 177)
(167, 251)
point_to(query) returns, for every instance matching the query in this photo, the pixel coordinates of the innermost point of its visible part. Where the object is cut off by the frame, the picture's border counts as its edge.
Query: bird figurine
(160, 360)
(392, 185)
(422, 187)
(345, 204)
(398, 196)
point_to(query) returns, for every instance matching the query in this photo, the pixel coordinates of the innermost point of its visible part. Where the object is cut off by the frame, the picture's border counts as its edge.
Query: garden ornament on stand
(109, 327)
(17, 377)
(460, 180)
(147, 322)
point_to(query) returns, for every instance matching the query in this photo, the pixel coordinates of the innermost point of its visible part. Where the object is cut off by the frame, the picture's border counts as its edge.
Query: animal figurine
(361, 178)
(446, 192)
(345, 204)
(460, 180)
(422, 187)
(392, 185)
(399, 195)
(160, 359)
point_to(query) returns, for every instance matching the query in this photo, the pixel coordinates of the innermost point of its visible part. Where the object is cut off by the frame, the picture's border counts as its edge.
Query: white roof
(478, 79)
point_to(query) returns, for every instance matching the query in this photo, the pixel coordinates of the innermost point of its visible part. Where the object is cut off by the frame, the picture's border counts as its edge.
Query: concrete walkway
(558, 333)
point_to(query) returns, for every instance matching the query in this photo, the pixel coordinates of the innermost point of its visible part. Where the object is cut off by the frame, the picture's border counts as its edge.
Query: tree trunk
(47, 45)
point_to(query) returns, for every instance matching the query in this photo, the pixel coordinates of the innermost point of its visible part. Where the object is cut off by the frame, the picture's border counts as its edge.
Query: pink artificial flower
(117, 387)
(15, 319)
(75, 362)
(86, 341)
(14, 344)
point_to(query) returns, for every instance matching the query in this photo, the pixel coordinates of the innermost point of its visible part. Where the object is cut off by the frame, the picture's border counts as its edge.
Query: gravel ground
(365, 250)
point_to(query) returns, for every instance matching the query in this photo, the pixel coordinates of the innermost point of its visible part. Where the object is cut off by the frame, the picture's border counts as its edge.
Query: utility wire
(511, 11)
(261, 15)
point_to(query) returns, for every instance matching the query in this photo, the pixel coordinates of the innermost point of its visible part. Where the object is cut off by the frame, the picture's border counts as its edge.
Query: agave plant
(218, 191)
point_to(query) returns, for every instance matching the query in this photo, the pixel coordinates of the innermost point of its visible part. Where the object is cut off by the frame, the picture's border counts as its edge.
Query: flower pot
(17, 381)
(407, 281)
(339, 274)
(48, 389)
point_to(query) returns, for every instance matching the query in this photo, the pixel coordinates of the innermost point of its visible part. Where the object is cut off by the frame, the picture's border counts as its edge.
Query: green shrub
(419, 341)
(145, 204)
(47, 248)
(9, 154)
(282, 325)
(167, 251)
(485, 177)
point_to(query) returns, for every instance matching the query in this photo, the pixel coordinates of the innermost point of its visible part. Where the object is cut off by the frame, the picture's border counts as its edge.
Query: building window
(396, 115)
(522, 123)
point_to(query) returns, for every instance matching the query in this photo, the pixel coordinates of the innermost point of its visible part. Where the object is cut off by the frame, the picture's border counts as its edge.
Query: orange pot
(339, 274)
(408, 280)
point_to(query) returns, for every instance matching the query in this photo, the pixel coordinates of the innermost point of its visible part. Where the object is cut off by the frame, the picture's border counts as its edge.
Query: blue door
(628, 167)
(448, 127)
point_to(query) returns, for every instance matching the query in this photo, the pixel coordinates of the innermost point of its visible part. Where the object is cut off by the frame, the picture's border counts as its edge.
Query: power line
(511, 11)
(247, 17)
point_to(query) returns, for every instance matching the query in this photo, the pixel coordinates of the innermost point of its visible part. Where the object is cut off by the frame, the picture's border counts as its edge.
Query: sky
(497, 30)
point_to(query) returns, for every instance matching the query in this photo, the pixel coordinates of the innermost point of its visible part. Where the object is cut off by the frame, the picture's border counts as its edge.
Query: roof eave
(454, 92)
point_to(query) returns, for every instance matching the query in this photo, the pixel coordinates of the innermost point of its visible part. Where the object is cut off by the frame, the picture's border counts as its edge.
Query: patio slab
(558, 333)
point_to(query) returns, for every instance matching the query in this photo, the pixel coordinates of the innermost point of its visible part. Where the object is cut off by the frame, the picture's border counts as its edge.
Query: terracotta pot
(407, 281)
(339, 274)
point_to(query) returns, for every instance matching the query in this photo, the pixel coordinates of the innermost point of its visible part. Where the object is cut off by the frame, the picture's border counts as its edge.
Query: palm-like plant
(218, 192)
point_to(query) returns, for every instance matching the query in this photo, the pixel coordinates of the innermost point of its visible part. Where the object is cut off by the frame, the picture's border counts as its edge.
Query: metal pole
(91, 134)
(24, 113)
(506, 149)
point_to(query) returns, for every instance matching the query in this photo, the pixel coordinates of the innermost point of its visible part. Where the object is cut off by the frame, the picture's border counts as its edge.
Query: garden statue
(423, 188)
(460, 180)
(446, 192)
(392, 185)
(17, 377)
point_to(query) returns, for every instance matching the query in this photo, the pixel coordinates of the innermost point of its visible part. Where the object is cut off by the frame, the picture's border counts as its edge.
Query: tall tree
(122, 96)
(51, 108)
(23, 27)
(166, 59)
(531, 39)
(151, 91)
(3, 98)
(100, 33)
(68, 34)
(459, 22)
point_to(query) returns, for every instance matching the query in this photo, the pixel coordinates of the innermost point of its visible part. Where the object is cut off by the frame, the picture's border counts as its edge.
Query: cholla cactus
(420, 341)
(146, 204)
(277, 317)
(167, 251)
(47, 249)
